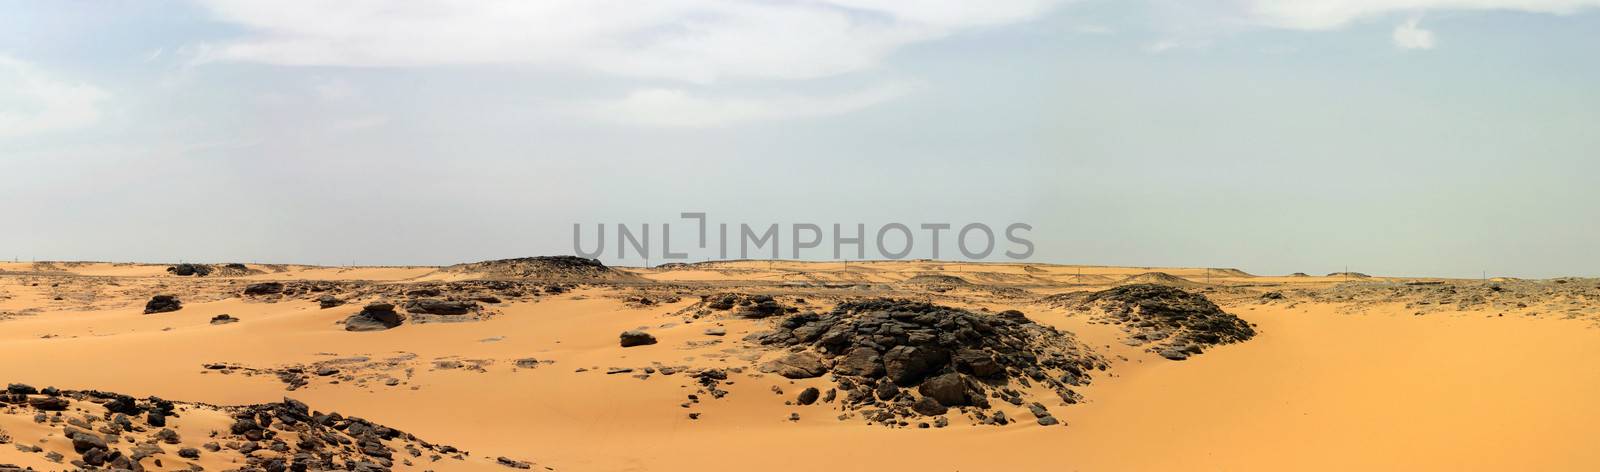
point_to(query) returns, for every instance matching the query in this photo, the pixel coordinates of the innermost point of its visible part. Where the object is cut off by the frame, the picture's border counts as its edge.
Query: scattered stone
(512, 463)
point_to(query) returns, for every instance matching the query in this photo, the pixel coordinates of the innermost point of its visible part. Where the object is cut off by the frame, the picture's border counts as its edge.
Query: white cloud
(1330, 14)
(1167, 45)
(691, 40)
(678, 108)
(1409, 36)
(32, 102)
(335, 90)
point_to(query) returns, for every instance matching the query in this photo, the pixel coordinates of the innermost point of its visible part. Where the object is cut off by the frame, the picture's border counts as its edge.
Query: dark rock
(512, 463)
(798, 365)
(877, 346)
(186, 270)
(189, 453)
(49, 403)
(633, 338)
(264, 288)
(83, 441)
(907, 365)
(374, 317)
(1181, 321)
(927, 406)
(162, 304)
(860, 362)
(223, 319)
(21, 389)
(886, 390)
(759, 306)
(951, 389)
(808, 396)
(328, 301)
(978, 363)
(440, 307)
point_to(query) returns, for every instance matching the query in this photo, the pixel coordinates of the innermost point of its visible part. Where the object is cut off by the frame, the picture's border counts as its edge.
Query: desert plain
(559, 363)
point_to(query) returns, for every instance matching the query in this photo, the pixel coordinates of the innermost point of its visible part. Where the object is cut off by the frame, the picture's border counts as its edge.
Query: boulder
(84, 441)
(186, 270)
(223, 319)
(633, 338)
(978, 363)
(162, 304)
(798, 365)
(908, 365)
(808, 396)
(860, 362)
(927, 406)
(948, 389)
(374, 317)
(49, 403)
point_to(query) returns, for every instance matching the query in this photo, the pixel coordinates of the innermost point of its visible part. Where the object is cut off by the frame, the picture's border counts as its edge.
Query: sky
(1396, 137)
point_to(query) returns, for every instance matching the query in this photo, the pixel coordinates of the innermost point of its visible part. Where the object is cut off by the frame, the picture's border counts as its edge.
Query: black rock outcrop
(895, 358)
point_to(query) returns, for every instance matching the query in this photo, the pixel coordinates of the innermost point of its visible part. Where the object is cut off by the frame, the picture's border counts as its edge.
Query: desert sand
(519, 363)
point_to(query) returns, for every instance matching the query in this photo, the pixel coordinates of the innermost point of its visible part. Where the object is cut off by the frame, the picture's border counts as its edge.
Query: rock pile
(186, 270)
(898, 359)
(118, 432)
(162, 304)
(264, 288)
(746, 306)
(1175, 322)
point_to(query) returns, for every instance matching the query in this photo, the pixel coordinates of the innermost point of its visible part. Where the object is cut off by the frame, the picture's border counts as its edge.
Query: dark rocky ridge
(555, 268)
(1177, 322)
(898, 359)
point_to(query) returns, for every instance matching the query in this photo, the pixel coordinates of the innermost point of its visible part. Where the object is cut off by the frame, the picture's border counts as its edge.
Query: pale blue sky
(1417, 137)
